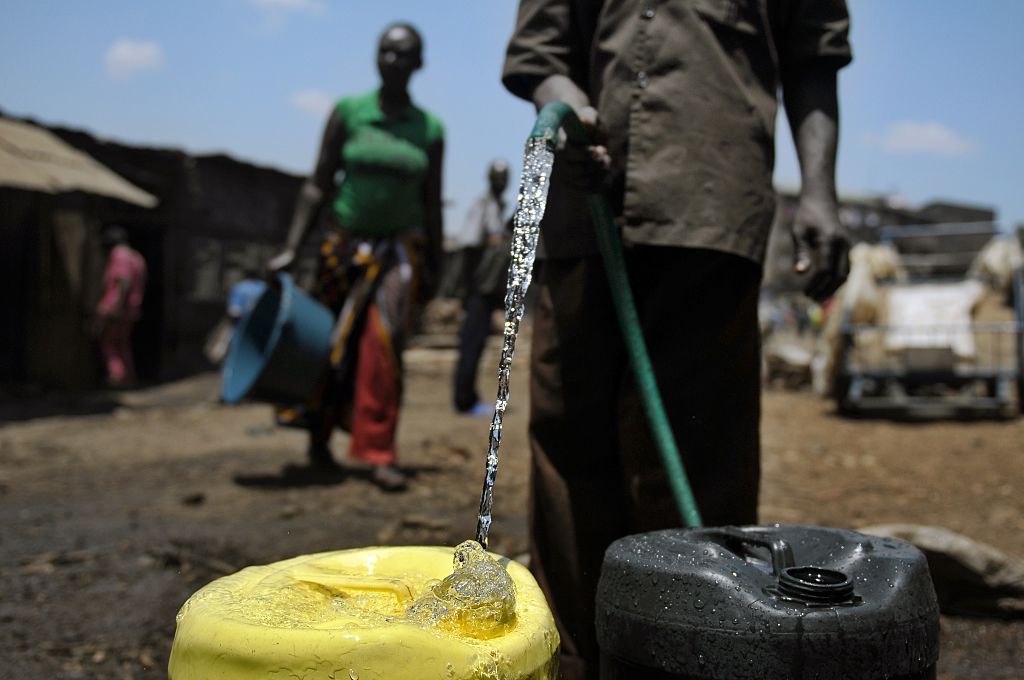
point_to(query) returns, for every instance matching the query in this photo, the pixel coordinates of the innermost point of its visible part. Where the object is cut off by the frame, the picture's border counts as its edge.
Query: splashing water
(533, 197)
(478, 599)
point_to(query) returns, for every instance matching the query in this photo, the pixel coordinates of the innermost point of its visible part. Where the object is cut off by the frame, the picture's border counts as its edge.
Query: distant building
(867, 217)
(53, 203)
(202, 222)
(939, 212)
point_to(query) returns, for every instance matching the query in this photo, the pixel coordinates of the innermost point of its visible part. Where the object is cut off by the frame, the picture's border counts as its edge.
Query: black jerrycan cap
(816, 585)
(765, 602)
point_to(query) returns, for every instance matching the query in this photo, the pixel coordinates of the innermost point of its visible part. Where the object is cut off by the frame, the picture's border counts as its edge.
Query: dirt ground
(115, 507)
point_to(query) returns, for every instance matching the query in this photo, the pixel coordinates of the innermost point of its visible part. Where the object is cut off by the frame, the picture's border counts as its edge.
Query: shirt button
(648, 13)
(641, 79)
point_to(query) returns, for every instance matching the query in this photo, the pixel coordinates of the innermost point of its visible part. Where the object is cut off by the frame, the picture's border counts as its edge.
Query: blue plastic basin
(280, 348)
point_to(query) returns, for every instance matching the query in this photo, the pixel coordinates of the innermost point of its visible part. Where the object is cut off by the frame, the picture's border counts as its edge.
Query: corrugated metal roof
(33, 158)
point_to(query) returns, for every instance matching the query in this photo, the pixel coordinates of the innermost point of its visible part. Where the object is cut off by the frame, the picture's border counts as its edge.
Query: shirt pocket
(741, 16)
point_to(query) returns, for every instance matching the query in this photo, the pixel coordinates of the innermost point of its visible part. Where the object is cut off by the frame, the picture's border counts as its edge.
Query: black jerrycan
(766, 603)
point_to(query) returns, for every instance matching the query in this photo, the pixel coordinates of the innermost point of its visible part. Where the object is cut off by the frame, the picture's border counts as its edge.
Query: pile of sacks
(911, 309)
(997, 262)
(860, 299)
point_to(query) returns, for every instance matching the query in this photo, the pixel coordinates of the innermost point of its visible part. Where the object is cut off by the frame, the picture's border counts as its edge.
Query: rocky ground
(115, 507)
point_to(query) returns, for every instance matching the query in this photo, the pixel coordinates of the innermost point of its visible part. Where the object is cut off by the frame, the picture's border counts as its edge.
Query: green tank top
(385, 163)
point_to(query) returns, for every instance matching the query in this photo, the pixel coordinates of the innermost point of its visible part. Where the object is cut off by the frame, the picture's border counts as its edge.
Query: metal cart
(935, 370)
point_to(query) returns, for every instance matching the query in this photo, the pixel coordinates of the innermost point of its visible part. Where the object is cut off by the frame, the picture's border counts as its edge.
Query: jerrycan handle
(347, 582)
(738, 540)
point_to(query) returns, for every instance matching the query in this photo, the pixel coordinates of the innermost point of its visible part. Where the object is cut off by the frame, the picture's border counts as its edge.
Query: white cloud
(312, 6)
(922, 137)
(315, 103)
(127, 58)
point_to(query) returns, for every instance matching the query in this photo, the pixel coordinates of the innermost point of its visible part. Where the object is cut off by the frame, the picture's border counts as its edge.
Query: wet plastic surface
(766, 602)
(374, 614)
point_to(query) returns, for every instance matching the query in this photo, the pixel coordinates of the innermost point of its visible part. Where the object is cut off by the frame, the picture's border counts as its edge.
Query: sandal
(389, 478)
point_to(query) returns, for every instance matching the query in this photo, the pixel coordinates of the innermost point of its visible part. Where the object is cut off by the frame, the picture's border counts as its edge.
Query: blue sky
(931, 106)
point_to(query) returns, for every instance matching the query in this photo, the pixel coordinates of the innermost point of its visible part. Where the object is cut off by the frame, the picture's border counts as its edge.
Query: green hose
(560, 115)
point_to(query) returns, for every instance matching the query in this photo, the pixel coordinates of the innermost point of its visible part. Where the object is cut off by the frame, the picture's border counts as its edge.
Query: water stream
(533, 197)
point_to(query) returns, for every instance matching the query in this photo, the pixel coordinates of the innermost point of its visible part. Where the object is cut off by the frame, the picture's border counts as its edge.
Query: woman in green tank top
(381, 255)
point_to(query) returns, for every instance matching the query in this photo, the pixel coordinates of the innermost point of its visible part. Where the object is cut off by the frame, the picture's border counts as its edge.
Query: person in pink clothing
(120, 305)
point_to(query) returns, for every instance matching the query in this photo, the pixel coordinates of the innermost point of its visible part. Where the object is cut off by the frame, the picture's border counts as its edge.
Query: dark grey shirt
(688, 90)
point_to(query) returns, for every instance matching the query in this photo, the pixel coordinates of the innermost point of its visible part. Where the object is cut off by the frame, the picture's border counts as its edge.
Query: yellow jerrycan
(395, 613)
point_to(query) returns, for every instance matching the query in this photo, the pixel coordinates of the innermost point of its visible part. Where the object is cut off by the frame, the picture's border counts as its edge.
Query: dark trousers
(596, 475)
(476, 326)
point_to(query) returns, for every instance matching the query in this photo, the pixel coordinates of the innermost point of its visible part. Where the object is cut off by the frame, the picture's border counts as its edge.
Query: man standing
(484, 268)
(686, 91)
(120, 305)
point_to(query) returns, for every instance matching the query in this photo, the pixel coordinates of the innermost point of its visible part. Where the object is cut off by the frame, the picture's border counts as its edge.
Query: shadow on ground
(301, 476)
(19, 405)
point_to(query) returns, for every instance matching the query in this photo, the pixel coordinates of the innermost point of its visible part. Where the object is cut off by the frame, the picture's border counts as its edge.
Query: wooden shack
(53, 203)
(205, 219)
